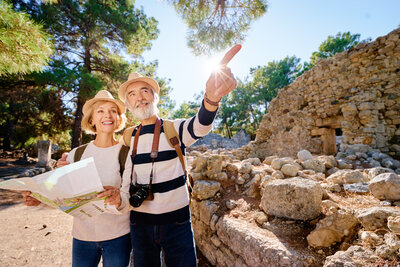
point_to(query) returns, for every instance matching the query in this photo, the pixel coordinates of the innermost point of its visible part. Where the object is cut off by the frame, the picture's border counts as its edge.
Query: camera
(139, 193)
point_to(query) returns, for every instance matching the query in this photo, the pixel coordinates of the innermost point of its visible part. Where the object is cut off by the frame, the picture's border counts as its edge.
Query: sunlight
(212, 64)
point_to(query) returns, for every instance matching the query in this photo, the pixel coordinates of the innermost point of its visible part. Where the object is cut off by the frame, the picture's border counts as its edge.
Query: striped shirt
(171, 197)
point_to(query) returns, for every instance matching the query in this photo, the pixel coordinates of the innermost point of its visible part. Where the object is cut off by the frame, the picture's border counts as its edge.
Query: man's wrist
(211, 102)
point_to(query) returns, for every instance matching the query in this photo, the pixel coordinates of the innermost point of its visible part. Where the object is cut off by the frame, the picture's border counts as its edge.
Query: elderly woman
(105, 235)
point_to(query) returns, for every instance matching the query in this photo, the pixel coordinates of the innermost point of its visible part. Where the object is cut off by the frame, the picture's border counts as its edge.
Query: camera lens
(138, 196)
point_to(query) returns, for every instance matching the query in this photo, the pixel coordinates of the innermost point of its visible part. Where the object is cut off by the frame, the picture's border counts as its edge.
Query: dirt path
(33, 236)
(37, 236)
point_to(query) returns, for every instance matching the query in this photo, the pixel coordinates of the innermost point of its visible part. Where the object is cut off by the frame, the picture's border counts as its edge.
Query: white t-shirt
(105, 226)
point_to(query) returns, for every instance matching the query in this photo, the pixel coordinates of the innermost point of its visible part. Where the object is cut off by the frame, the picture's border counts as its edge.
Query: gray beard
(145, 112)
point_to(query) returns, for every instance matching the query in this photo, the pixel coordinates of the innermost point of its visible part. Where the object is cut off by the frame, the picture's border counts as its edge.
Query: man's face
(141, 100)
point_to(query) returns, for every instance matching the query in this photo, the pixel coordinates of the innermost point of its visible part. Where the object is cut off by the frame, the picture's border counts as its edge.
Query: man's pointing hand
(222, 81)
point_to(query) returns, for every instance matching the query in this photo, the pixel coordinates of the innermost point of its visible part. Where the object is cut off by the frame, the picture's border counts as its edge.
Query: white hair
(146, 112)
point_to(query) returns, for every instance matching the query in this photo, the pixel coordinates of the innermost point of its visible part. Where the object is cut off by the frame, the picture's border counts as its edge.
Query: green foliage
(218, 24)
(186, 110)
(166, 104)
(269, 79)
(30, 109)
(245, 106)
(189, 108)
(93, 39)
(237, 111)
(24, 46)
(333, 45)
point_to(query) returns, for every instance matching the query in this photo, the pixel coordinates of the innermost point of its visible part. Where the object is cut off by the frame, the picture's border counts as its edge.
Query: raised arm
(221, 82)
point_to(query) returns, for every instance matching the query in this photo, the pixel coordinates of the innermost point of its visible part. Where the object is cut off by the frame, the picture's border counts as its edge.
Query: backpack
(123, 153)
(173, 141)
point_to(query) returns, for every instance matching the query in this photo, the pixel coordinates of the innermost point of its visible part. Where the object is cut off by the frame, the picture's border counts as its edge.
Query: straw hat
(137, 77)
(105, 96)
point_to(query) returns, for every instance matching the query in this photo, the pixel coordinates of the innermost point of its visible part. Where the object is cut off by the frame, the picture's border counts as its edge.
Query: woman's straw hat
(137, 77)
(103, 95)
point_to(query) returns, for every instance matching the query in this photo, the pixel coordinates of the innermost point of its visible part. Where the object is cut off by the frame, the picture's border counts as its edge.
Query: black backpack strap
(79, 152)
(123, 154)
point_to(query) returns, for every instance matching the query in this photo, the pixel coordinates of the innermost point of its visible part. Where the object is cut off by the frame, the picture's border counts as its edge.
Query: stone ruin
(304, 211)
(352, 98)
(289, 198)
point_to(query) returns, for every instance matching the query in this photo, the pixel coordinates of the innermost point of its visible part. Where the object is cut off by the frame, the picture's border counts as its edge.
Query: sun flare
(212, 64)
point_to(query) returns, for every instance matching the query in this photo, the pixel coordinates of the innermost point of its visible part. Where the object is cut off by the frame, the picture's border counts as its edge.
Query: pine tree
(93, 38)
(24, 46)
(218, 24)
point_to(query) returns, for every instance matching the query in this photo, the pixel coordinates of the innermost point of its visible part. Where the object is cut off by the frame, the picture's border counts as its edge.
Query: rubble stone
(386, 186)
(293, 198)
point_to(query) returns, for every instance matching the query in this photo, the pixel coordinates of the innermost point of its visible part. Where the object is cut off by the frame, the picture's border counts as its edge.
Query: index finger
(230, 54)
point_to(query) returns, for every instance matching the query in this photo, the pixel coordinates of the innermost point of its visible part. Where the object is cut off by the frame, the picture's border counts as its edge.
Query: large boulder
(207, 209)
(246, 167)
(376, 217)
(346, 177)
(313, 164)
(394, 224)
(290, 170)
(304, 155)
(203, 189)
(356, 256)
(332, 229)
(293, 198)
(199, 163)
(386, 186)
(253, 187)
(390, 247)
(279, 162)
(373, 172)
(257, 247)
(328, 161)
(214, 166)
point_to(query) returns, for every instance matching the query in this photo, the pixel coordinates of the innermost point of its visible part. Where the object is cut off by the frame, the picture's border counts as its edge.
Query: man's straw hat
(105, 96)
(137, 77)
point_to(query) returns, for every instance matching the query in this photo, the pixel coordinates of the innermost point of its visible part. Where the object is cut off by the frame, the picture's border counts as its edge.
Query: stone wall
(353, 97)
(304, 211)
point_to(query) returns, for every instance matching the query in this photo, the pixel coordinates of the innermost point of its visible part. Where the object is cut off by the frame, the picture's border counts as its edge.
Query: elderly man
(154, 184)
(160, 215)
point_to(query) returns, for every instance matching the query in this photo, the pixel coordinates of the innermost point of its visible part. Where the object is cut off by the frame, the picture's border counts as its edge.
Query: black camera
(139, 193)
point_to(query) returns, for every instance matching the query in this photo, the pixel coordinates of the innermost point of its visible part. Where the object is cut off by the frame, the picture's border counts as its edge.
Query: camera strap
(153, 153)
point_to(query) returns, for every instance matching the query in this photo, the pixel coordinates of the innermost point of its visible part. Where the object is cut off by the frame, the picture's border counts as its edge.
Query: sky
(288, 28)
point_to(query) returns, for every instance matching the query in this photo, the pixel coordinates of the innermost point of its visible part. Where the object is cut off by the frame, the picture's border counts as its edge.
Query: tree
(32, 107)
(268, 80)
(215, 25)
(189, 108)
(246, 105)
(24, 46)
(92, 37)
(186, 110)
(333, 45)
(239, 111)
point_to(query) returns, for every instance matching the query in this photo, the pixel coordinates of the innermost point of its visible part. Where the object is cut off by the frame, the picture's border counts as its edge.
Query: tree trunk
(77, 133)
(9, 134)
(228, 131)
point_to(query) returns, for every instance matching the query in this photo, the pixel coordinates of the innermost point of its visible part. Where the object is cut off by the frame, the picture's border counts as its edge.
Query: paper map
(72, 188)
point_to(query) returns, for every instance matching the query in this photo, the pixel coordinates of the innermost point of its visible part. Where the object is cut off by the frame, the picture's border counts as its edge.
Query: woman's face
(105, 117)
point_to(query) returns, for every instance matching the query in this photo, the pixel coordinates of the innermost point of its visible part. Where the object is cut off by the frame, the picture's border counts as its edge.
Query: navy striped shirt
(171, 197)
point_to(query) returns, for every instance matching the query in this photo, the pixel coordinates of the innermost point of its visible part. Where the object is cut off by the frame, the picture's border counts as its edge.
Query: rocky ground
(307, 210)
(304, 211)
